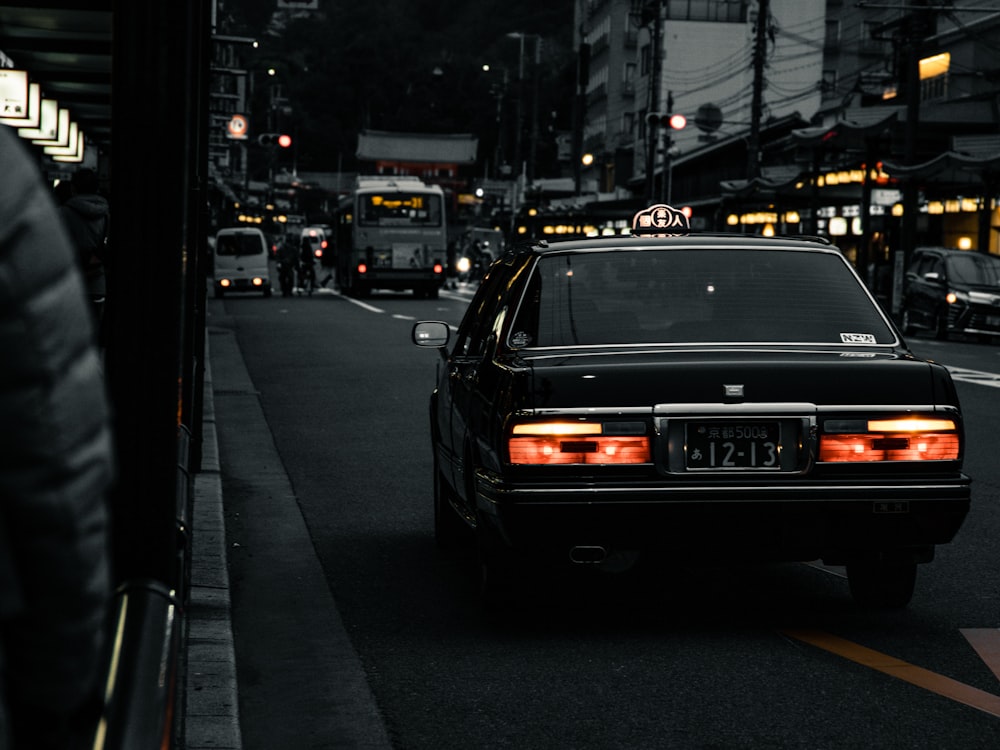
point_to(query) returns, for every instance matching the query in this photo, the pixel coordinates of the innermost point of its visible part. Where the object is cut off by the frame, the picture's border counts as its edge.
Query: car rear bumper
(242, 285)
(399, 279)
(833, 521)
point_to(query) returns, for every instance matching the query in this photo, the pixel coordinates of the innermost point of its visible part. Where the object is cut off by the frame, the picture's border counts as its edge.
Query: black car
(952, 291)
(693, 397)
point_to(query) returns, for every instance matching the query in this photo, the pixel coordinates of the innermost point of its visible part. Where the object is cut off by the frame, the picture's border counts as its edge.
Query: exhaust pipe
(587, 554)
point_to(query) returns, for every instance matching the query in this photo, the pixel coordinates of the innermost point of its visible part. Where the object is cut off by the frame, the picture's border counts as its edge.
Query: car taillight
(908, 439)
(438, 268)
(549, 443)
(362, 268)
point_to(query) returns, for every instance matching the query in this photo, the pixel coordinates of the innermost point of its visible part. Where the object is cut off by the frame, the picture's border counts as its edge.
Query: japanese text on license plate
(733, 445)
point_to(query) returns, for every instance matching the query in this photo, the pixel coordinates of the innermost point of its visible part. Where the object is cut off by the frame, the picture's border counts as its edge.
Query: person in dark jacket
(307, 266)
(288, 265)
(56, 470)
(88, 221)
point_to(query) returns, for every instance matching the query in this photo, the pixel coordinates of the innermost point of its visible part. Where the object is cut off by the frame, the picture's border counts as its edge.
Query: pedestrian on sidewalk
(88, 221)
(56, 470)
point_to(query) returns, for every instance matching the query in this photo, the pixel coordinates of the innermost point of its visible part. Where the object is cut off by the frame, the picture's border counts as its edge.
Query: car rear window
(696, 296)
(238, 244)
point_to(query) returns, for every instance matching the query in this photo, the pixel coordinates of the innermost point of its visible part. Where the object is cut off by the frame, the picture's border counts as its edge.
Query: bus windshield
(399, 209)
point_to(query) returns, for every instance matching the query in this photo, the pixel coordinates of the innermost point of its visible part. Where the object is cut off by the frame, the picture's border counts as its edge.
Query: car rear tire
(500, 573)
(879, 584)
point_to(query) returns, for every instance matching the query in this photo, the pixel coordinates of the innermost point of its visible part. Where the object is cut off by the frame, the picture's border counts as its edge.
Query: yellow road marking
(986, 641)
(936, 683)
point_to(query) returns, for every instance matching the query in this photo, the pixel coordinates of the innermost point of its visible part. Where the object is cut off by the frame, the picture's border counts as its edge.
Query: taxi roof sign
(660, 219)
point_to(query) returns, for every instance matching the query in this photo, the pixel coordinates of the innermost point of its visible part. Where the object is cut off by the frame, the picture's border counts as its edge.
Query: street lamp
(498, 91)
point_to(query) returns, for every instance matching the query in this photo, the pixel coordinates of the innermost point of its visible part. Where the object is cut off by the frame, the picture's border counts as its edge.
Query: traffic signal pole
(667, 182)
(669, 122)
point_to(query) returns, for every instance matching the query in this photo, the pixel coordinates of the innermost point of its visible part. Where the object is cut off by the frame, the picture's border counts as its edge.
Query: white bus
(392, 234)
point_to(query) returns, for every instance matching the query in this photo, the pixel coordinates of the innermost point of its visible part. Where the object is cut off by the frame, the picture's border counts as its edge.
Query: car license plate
(720, 446)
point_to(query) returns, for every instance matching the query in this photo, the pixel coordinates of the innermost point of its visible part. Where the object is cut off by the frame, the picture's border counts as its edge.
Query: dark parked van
(952, 291)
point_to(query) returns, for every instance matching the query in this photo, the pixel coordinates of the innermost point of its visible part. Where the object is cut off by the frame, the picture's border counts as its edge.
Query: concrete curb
(212, 717)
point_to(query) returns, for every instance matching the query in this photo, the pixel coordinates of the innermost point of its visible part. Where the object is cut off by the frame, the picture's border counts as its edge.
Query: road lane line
(834, 570)
(366, 306)
(986, 642)
(975, 376)
(923, 678)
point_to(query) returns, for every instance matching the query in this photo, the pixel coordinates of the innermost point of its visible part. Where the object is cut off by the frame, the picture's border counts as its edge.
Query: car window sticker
(857, 338)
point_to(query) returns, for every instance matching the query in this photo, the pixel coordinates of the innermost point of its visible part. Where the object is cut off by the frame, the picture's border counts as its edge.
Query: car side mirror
(431, 334)
(933, 276)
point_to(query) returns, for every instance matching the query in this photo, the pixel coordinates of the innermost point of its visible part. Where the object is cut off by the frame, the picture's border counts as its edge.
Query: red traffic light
(667, 120)
(270, 139)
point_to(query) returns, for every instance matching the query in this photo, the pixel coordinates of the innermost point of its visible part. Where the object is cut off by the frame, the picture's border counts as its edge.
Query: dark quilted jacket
(56, 462)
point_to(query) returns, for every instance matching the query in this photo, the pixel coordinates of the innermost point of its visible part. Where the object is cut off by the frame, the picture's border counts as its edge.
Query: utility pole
(520, 102)
(654, 99)
(756, 106)
(535, 85)
(915, 29)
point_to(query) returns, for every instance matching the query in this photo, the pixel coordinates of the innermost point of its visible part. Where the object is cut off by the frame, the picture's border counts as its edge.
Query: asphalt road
(352, 630)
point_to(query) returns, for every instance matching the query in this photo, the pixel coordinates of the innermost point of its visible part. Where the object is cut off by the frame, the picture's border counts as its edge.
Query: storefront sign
(884, 197)
(13, 94)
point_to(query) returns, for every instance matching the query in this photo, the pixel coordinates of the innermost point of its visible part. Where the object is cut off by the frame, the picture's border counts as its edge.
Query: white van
(241, 262)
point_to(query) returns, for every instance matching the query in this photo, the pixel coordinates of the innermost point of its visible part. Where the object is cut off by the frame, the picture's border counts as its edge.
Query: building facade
(871, 124)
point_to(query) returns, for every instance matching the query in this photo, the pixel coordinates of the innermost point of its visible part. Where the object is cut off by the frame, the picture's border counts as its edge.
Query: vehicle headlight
(953, 296)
